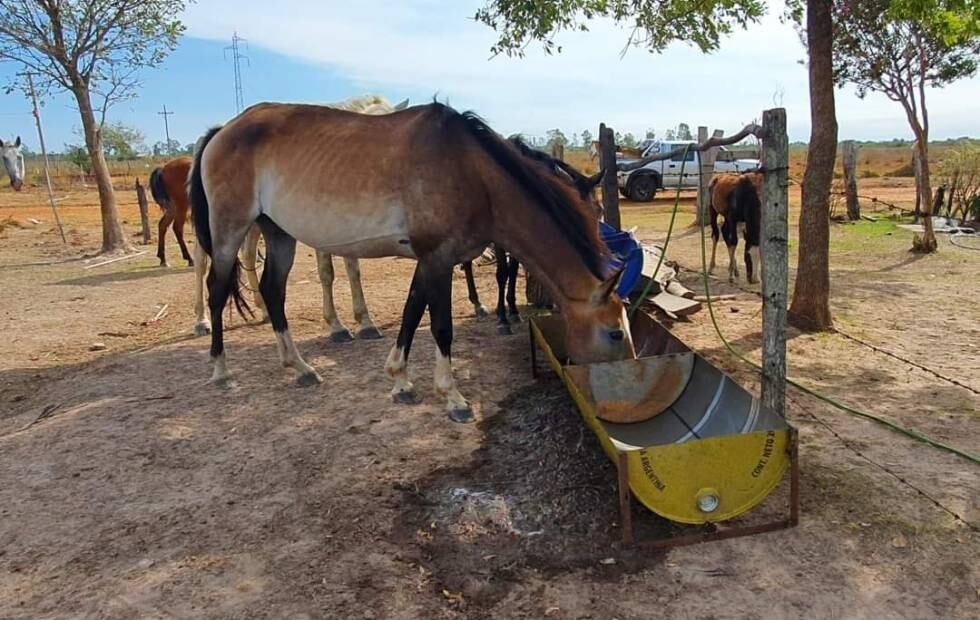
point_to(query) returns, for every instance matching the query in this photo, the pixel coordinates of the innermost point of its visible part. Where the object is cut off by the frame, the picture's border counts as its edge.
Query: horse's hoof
(480, 311)
(202, 329)
(225, 383)
(341, 336)
(369, 333)
(504, 329)
(408, 397)
(514, 317)
(190, 263)
(308, 379)
(461, 416)
(164, 263)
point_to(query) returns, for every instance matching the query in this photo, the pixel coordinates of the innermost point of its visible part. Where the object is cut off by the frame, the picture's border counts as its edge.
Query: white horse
(13, 162)
(365, 327)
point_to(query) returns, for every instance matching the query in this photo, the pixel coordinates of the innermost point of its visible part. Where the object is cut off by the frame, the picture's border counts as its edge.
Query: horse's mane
(580, 180)
(549, 193)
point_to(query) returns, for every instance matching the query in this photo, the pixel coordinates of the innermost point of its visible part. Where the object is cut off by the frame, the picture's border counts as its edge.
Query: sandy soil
(129, 488)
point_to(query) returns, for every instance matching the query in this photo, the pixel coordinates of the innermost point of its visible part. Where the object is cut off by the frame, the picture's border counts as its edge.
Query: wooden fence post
(144, 211)
(850, 156)
(775, 258)
(610, 186)
(707, 159)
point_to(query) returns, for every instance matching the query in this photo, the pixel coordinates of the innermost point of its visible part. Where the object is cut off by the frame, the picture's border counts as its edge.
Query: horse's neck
(531, 234)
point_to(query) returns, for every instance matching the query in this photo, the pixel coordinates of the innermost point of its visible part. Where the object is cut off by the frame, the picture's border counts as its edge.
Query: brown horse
(168, 185)
(427, 183)
(737, 197)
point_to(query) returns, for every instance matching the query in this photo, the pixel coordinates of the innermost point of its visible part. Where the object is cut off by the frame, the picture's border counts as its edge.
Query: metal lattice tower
(237, 56)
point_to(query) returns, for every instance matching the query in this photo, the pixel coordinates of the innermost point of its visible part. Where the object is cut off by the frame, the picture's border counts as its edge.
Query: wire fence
(68, 175)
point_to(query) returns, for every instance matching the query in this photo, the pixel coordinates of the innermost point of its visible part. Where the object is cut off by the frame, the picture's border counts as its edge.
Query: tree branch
(712, 142)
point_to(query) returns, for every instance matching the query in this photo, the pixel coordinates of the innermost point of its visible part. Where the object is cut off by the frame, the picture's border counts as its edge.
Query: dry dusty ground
(129, 488)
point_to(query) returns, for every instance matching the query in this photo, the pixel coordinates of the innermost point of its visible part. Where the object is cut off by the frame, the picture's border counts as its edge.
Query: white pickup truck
(642, 184)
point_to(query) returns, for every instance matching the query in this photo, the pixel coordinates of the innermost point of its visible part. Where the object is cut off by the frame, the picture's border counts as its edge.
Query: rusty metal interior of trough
(698, 448)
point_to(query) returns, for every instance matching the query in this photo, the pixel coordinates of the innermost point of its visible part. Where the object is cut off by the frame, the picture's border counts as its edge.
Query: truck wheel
(643, 188)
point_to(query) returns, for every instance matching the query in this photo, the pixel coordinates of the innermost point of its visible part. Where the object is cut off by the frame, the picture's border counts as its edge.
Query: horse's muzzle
(17, 184)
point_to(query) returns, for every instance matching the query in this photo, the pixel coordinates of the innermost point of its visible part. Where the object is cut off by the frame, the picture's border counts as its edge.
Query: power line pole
(166, 126)
(237, 56)
(44, 153)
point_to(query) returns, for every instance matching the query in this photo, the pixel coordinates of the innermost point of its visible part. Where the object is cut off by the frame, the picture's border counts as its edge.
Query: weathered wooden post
(850, 156)
(558, 151)
(610, 187)
(144, 211)
(775, 258)
(707, 158)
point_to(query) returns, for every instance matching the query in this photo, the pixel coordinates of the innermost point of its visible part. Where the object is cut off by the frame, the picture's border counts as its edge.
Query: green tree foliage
(901, 48)
(587, 138)
(78, 155)
(684, 132)
(555, 136)
(654, 23)
(651, 134)
(629, 140)
(122, 142)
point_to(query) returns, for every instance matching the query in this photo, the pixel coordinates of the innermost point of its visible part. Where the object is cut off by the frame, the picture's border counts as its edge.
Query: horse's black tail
(202, 223)
(158, 190)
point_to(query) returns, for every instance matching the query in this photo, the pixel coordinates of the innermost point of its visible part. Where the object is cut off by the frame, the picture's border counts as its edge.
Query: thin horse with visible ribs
(427, 183)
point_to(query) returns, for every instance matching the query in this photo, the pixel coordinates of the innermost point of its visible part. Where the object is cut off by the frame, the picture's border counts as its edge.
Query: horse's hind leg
(513, 267)
(324, 268)
(397, 363)
(478, 309)
(439, 284)
(366, 329)
(503, 325)
(730, 231)
(280, 253)
(165, 220)
(222, 281)
(249, 255)
(202, 326)
(179, 219)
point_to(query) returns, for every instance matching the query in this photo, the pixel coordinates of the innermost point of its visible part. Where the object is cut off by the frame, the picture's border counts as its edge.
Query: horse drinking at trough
(13, 162)
(737, 197)
(427, 183)
(168, 186)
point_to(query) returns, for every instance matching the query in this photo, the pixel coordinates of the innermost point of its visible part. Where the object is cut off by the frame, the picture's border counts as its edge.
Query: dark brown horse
(426, 183)
(737, 197)
(168, 184)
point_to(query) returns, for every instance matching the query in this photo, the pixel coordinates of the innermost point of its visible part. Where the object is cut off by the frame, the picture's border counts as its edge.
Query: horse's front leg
(397, 363)
(439, 285)
(503, 325)
(513, 268)
(478, 309)
(366, 329)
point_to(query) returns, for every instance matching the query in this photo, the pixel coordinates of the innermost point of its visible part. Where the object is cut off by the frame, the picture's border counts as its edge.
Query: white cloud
(430, 46)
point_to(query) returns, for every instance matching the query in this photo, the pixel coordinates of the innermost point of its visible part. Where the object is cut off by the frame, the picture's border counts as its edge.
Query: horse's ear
(596, 178)
(402, 105)
(17, 142)
(604, 290)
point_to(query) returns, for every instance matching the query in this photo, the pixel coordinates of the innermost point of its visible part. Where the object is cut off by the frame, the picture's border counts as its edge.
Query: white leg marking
(732, 264)
(290, 357)
(445, 383)
(202, 326)
(220, 374)
(714, 249)
(397, 368)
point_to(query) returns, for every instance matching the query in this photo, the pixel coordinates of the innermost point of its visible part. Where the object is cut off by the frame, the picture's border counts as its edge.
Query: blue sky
(322, 51)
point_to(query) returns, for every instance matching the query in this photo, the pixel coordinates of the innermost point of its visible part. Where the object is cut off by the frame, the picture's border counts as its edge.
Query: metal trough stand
(691, 445)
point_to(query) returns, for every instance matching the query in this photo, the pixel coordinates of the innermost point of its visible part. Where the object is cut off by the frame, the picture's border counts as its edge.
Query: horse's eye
(616, 335)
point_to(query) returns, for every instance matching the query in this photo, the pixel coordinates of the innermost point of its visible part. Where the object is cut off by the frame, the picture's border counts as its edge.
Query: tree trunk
(917, 171)
(810, 309)
(113, 237)
(927, 242)
(850, 154)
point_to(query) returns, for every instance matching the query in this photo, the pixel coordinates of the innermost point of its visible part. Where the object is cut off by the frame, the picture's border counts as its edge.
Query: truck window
(691, 155)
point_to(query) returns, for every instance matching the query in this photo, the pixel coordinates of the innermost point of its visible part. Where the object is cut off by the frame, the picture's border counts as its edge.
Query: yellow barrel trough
(697, 447)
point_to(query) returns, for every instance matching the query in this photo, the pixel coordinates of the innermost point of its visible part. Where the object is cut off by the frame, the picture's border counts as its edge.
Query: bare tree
(899, 48)
(93, 49)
